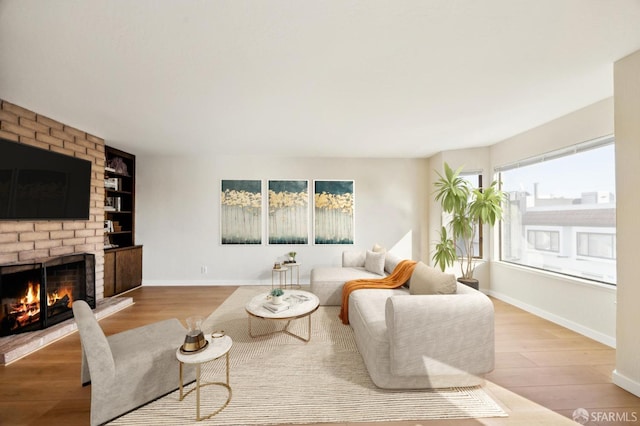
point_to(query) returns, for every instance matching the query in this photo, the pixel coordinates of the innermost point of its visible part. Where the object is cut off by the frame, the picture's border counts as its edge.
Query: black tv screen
(36, 184)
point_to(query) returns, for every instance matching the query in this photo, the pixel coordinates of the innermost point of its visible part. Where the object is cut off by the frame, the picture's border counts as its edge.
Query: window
(560, 213)
(596, 245)
(544, 240)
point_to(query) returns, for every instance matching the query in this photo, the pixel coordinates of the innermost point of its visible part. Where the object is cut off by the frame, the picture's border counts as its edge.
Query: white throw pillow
(377, 248)
(374, 262)
(428, 280)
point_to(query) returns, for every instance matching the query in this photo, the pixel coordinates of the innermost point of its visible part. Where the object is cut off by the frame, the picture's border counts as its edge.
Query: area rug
(281, 380)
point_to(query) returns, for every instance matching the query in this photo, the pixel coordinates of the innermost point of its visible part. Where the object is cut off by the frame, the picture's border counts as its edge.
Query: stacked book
(299, 297)
(276, 308)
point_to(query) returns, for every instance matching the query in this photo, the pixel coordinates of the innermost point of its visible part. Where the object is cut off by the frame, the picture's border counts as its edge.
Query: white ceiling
(355, 78)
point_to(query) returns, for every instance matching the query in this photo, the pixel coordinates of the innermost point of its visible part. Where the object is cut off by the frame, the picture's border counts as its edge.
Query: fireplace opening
(38, 295)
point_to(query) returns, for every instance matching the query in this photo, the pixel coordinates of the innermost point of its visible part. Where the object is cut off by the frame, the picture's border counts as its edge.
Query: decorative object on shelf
(241, 212)
(468, 208)
(112, 204)
(277, 265)
(292, 256)
(218, 334)
(288, 218)
(112, 183)
(276, 296)
(108, 244)
(118, 166)
(333, 211)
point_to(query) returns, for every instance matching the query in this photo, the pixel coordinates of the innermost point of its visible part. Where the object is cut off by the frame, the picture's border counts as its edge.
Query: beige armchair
(128, 369)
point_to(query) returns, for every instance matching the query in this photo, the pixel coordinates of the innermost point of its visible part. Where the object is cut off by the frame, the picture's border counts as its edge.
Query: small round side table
(294, 266)
(282, 276)
(216, 348)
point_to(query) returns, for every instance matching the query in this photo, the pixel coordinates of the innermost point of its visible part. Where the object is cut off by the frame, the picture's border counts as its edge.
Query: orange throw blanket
(398, 277)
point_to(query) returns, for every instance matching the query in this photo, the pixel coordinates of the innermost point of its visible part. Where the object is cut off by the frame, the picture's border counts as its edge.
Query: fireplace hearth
(34, 296)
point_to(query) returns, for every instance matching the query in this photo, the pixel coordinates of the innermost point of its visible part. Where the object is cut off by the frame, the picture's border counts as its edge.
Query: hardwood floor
(535, 359)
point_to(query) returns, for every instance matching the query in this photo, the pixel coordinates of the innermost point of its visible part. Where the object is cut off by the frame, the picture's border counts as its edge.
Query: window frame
(465, 175)
(608, 278)
(589, 255)
(551, 233)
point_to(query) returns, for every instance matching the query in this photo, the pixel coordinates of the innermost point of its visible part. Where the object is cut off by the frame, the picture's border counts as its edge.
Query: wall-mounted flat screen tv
(36, 184)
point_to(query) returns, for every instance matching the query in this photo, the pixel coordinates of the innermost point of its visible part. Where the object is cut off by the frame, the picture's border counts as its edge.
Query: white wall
(627, 112)
(579, 305)
(178, 214)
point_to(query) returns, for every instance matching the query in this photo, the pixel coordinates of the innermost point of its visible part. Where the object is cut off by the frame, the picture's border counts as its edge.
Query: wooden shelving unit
(122, 257)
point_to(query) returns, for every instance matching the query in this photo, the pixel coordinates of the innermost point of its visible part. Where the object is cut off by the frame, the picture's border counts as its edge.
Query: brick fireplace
(35, 296)
(27, 241)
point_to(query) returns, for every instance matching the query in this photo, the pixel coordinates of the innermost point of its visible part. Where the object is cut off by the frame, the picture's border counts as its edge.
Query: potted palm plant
(468, 208)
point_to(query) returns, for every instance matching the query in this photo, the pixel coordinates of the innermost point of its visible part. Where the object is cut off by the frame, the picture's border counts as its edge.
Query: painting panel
(333, 211)
(241, 212)
(288, 212)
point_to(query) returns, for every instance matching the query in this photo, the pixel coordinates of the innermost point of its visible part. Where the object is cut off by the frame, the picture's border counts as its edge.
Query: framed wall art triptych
(241, 212)
(286, 202)
(333, 211)
(288, 212)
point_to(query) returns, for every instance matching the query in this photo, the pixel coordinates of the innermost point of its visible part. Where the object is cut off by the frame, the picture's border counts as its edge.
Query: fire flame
(58, 294)
(27, 310)
(33, 293)
(32, 296)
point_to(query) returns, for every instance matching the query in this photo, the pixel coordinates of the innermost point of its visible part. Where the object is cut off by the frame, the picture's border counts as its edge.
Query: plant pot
(276, 300)
(471, 282)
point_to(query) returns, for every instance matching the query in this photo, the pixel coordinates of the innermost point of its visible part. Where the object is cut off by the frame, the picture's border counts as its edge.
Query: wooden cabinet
(122, 258)
(109, 273)
(122, 269)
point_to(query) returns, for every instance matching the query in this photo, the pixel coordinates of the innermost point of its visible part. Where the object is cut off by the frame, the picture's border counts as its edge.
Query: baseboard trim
(626, 383)
(578, 328)
(173, 283)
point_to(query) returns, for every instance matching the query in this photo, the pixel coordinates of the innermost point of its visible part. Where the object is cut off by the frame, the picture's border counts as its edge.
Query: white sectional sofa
(414, 341)
(327, 281)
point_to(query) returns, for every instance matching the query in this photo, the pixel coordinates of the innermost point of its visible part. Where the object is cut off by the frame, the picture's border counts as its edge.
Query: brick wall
(23, 241)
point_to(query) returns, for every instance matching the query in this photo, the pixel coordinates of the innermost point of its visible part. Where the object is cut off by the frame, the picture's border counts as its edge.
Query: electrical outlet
(203, 269)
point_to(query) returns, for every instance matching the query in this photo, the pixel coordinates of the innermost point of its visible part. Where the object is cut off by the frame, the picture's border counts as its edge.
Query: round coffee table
(300, 304)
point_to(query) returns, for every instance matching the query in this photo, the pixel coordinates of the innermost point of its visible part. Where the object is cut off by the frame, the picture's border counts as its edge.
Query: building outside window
(544, 240)
(600, 245)
(561, 210)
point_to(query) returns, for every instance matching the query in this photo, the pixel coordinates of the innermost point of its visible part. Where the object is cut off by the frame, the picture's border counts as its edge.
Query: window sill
(558, 277)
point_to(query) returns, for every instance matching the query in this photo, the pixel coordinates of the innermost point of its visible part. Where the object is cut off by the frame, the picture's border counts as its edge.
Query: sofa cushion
(377, 248)
(353, 259)
(447, 339)
(391, 260)
(327, 282)
(374, 262)
(428, 280)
